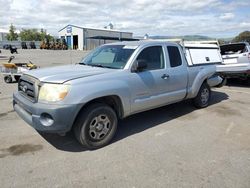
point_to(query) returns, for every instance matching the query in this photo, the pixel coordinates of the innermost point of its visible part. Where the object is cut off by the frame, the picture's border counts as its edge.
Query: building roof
(4, 30)
(91, 28)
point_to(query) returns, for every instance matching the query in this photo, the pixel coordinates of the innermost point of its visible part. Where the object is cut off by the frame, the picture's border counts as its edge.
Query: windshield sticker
(130, 47)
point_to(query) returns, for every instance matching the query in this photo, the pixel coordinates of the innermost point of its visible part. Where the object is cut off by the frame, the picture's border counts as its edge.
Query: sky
(213, 18)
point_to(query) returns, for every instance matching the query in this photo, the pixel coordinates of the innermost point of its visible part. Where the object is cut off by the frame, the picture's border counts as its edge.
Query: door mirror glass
(141, 64)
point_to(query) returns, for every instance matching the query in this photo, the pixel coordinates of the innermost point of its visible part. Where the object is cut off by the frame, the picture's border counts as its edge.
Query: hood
(61, 74)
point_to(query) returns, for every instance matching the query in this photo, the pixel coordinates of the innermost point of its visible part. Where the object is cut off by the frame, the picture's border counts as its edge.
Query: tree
(243, 37)
(34, 35)
(12, 35)
(43, 34)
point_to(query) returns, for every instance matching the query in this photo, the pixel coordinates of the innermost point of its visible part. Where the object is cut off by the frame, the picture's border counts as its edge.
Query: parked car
(6, 46)
(113, 82)
(236, 61)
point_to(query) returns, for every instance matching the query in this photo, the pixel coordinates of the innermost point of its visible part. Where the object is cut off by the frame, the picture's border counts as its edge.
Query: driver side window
(153, 56)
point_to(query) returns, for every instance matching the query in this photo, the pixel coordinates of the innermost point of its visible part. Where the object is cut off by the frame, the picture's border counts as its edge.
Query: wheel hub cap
(99, 127)
(204, 96)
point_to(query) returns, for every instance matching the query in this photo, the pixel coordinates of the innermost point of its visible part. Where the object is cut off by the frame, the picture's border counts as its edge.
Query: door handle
(165, 76)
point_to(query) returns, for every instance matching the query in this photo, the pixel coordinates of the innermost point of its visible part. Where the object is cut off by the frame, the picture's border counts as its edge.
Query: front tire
(96, 126)
(203, 97)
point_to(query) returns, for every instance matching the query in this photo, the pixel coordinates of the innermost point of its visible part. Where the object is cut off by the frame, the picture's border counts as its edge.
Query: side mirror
(140, 65)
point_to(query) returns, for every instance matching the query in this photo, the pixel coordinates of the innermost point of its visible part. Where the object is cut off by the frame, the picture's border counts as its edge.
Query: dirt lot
(173, 146)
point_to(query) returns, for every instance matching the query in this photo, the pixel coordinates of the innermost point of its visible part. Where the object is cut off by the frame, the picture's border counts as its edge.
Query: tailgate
(230, 59)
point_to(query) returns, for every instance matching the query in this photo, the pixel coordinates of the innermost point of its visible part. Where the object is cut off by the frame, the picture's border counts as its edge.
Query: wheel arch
(194, 90)
(113, 101)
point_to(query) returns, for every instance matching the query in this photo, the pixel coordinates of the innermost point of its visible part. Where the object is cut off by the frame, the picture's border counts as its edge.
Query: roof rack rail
(183, 41)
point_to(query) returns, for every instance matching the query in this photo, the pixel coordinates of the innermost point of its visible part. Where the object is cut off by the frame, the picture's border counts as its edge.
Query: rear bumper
(234, 69)
(53, 118)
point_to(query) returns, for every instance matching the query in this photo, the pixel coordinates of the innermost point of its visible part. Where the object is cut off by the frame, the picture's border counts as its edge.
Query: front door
(149, 85)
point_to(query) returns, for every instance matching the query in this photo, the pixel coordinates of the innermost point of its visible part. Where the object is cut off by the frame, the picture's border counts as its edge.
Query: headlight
(53, 92)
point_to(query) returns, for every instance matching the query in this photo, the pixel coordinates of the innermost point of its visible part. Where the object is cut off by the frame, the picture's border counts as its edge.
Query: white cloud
(159, 17)
(244, 25)
(227, 16)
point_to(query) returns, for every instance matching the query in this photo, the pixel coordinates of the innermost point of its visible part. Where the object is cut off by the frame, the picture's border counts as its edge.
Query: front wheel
(203, 96)
(96, 126)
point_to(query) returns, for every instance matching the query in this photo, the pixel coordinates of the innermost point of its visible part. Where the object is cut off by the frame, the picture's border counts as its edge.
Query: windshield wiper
(82, 63)
(96, 65)
(100, 65)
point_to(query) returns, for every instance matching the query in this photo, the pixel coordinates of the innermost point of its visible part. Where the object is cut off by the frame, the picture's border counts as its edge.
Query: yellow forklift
(13, 71)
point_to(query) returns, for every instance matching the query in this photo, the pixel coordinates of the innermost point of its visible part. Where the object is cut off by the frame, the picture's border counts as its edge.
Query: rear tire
(95, 126)
(203, 97)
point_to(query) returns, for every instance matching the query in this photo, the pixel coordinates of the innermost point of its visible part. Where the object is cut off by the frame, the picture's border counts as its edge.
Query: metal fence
(18, 44)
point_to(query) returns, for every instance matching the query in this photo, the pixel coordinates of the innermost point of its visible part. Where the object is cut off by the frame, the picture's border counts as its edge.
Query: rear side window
(233, 49)
(174, 56)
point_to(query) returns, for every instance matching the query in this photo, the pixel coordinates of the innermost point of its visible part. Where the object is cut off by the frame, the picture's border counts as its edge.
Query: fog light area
(46, 119)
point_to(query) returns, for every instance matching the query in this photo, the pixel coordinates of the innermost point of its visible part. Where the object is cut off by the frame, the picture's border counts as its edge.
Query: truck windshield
(109, 56)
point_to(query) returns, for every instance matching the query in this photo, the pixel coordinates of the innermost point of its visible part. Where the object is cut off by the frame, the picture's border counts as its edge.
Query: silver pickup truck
(112, 82)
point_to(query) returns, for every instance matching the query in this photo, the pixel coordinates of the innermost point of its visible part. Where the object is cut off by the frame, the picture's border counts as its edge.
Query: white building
(3, 34)
(88, 38)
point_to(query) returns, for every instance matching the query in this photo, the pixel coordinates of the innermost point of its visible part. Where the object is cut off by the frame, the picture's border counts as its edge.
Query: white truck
(236, 61)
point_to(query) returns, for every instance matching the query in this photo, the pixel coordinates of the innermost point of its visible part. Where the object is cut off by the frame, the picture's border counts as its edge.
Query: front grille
(27, 87)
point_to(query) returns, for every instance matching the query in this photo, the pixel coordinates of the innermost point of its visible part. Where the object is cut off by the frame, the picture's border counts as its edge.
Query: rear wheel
(96, 126)
(8, 79)
(203, 96)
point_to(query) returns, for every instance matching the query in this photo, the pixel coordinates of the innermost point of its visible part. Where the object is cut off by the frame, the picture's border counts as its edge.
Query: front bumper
(53, 118)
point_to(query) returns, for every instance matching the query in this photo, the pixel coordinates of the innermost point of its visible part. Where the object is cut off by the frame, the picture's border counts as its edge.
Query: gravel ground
(173, 146)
